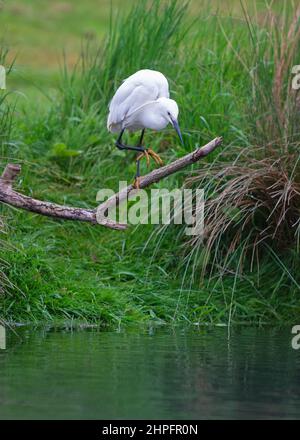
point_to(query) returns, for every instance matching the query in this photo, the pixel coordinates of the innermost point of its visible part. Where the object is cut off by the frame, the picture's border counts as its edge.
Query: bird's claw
(137, 182)
(146, 155)
(155, 157)
(150, 153)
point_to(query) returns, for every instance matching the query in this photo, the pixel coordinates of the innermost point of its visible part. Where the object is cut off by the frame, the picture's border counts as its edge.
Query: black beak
(176, 126)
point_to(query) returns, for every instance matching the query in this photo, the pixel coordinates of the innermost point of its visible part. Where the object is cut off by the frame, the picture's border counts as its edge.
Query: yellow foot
(137, 182)
(150, 153)
(155, 157)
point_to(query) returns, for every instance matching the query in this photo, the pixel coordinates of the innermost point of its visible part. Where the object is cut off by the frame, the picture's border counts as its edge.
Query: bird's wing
(135, 92)
(128, 99)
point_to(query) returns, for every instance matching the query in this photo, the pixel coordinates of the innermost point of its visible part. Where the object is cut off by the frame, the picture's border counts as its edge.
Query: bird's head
(169, 110)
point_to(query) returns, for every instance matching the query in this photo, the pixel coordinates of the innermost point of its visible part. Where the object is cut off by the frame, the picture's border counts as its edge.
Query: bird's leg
(138, 148)
(148, 152)
(144, 152)
(136, 183)
(118, 141)
(140, 144)
(122, 146)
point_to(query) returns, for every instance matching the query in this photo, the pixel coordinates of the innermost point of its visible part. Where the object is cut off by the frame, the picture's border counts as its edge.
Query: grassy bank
(230, 77)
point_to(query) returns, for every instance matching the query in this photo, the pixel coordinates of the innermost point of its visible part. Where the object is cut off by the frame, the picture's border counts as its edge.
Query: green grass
(58, 270)
(65, 271)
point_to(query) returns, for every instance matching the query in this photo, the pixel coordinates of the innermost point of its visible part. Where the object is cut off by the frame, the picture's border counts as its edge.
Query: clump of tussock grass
(255, 202)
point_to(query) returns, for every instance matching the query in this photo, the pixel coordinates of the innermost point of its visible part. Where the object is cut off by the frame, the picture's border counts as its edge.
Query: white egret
(142, 101)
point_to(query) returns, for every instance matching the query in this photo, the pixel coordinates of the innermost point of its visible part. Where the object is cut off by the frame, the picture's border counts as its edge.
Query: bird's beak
(176, 126)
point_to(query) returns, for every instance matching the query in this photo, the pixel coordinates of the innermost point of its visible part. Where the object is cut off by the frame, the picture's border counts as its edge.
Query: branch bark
(97, 215)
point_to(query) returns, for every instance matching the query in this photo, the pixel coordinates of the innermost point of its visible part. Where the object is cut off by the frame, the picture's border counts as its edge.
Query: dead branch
(97, 215)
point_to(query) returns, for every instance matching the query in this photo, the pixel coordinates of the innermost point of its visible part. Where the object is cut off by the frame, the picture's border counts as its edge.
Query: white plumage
(142, 101)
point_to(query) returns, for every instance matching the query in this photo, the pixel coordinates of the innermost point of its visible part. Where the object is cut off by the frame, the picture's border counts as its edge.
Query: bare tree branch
(97, 215)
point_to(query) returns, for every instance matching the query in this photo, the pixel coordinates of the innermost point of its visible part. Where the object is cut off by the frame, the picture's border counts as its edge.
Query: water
(154, 374)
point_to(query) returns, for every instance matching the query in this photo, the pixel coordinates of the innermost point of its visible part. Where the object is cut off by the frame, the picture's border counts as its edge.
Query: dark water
(180, 374)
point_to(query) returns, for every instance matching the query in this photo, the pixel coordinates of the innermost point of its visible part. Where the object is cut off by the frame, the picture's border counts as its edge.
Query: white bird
(142, 101)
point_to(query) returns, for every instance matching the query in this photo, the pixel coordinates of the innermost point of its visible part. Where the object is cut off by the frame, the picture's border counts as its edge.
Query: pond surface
(154, 374)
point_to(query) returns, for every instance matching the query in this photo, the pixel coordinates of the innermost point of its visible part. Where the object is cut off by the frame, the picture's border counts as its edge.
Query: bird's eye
(169, 113)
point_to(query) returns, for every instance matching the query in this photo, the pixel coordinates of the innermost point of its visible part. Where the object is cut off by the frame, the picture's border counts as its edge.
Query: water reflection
(182, 374)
